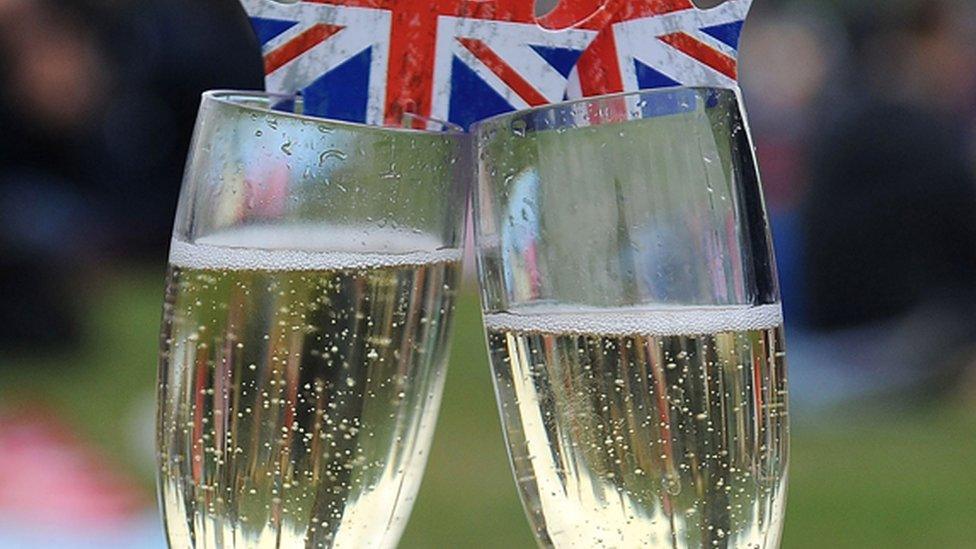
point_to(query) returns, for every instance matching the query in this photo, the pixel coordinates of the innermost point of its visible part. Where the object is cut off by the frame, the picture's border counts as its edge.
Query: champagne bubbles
(300, 379)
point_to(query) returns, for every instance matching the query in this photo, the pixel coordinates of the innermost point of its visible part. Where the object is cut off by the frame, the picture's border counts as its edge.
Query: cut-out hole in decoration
(564, 14)
(542, 7)
(707, 4)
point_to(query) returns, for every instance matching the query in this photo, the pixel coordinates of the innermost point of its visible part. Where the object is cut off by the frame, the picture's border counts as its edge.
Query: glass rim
(513, 115)
(233, 98)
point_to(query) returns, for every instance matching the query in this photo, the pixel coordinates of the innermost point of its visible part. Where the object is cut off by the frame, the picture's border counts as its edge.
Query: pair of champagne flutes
(630, 304)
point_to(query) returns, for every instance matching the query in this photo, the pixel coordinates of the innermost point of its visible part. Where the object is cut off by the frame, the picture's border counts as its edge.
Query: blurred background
(864, 115)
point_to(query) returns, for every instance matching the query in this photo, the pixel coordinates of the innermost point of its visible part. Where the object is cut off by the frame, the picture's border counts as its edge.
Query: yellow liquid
(627, 438)
(297, 406)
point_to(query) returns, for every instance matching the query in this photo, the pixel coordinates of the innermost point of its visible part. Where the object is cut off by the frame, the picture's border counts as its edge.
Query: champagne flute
(309, 297)
(633, 320)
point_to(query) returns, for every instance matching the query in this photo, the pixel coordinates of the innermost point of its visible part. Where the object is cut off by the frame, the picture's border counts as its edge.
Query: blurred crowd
(864, 116)
(97, 102)
(863, 113)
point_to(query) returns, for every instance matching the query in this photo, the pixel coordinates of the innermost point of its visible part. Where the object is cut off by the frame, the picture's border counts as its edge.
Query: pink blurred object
(50, 479)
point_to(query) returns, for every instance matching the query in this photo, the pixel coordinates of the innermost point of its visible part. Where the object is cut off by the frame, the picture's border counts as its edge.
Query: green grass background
(860, 480)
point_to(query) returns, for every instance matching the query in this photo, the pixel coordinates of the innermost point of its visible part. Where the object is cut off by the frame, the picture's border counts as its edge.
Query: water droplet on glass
(519, 128)
(672, 485)
(392, 173)
(332, 153)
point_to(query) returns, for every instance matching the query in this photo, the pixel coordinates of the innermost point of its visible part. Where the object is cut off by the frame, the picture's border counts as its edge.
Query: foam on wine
(308, 248)
(662, 321)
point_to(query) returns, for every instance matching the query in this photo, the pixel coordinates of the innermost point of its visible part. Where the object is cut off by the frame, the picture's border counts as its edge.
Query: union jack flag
(648, 44)
(464, 60)
(374, 60)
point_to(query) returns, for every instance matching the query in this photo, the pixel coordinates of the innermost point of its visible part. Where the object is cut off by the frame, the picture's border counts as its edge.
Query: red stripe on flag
(598, 67)
(700, 51)
(305, 41)
(626, 10)
(503, 70)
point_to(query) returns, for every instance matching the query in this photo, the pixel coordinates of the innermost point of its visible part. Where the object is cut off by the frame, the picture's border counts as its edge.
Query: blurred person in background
(889, 219)
(97, 102)
(783, 89)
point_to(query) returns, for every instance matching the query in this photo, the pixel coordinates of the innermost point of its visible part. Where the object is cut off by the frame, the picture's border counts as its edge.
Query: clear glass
(309, 298)
(633, 320)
